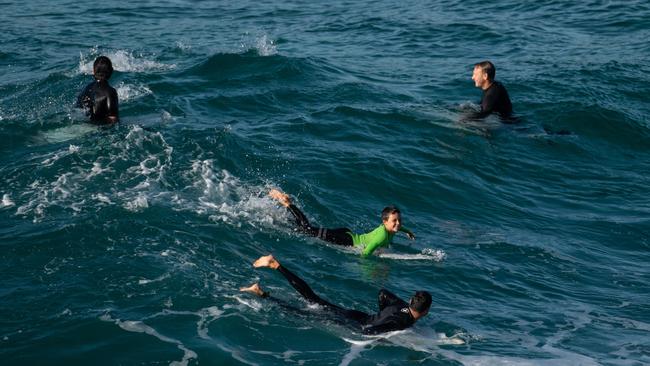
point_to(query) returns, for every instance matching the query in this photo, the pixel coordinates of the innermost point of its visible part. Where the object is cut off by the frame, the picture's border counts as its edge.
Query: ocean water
(127, 245)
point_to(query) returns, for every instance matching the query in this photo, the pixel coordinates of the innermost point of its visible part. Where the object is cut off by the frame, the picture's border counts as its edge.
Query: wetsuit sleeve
(380, 327)
(495, 100)
(387, 298)
(113, 108)
(388, 320)
(83, 99)
(405, 230)
(488, 102)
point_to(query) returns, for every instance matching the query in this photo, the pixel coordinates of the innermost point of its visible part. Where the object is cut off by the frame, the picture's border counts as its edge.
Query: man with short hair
(394, 313)
(495, 96)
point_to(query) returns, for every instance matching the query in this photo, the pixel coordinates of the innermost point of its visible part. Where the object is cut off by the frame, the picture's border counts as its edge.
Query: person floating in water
(394, 313)
(495, 96)
(98, 98)
(381, 237)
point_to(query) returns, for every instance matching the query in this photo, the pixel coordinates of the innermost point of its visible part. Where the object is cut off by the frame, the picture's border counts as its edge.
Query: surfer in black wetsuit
(99, 99)
(495, 96)
(394, 313)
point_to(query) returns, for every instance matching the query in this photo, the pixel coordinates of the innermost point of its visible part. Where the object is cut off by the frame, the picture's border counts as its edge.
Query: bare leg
(280, 196)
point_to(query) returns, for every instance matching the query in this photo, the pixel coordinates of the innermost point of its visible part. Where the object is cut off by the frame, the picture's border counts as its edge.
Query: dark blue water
(127, 245)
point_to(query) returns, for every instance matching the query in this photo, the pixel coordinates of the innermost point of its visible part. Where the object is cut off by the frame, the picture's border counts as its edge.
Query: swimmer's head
(102, 68)
(392, 218)
(483, 74)
(420, 303)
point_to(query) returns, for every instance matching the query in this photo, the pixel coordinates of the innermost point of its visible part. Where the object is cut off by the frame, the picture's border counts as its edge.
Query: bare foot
(280, 196)
(254, 289)
(266, 261)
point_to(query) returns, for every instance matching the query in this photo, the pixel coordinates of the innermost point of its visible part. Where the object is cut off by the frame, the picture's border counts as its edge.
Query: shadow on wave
(601, 123)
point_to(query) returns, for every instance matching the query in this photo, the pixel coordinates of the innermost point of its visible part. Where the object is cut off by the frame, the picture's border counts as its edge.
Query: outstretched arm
(408, 232)
(83, 99)
(488, 103)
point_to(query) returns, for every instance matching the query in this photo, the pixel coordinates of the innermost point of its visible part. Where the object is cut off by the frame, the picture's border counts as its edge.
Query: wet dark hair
(102, 68)
(421, 301)
(387, 211)
(487, 68)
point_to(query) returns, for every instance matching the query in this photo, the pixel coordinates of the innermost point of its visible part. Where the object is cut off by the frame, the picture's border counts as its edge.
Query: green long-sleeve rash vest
(378, 238)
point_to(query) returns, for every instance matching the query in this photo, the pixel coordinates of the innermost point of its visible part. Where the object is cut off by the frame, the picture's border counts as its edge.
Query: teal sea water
(127, 245)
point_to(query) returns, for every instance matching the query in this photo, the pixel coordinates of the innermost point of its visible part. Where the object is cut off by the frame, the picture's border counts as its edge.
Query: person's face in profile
(480, 78)
(393, 223)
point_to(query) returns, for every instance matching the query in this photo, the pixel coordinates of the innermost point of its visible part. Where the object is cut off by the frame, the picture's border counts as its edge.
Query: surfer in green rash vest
(380, 237)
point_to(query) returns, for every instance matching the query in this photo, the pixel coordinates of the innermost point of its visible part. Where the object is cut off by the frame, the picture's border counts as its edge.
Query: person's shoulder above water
(497, 100)
(98, 98)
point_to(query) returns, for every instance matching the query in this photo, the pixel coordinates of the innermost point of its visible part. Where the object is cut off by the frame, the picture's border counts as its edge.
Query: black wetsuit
(99, 100)
(340, 236)
(495, 99)
(393, 312)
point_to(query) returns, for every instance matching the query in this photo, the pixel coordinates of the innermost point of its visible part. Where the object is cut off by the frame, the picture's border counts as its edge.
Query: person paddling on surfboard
(381, 237)
(394, 313)
(98, 98)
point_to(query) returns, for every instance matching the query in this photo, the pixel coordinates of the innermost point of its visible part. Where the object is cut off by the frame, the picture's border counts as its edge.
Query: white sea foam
(140, 327)
(355, 350)
(182, 45)
(123, 61)
(69, 189)
(6, 201)
(556, 354)
(102, 198)
(54, 265)
(214, 192)
(266, 46)
(138, 204)
(158, 279)
(128, 92)
(97, 170)
(486, 360)
(249, 302)
(226, 199)
(66, 133)
(65, 312)
(208, 315)
(45, 194)
(436, 255)
(427, 342)
(261, 42)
